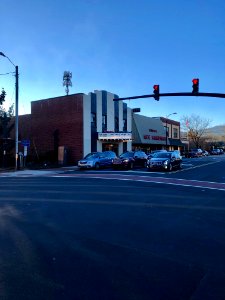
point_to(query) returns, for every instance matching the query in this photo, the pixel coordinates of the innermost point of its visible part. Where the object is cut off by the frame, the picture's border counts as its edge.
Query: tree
(2, 96)
(5, 128)
(196, 127)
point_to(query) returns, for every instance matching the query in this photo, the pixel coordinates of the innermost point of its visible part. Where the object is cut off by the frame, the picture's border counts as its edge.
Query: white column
(99, 146)
(110, 112)
(120, 148)
(99, 110)
(120, 115)
(129, 119)
(99, 116)
(129, 127)
(86, 124)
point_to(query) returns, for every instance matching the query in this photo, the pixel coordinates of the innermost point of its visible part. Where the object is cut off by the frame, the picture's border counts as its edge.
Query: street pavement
(96, 235)
(69, 237)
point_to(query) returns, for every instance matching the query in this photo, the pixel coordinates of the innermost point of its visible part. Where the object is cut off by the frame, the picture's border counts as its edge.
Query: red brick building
(52, 123)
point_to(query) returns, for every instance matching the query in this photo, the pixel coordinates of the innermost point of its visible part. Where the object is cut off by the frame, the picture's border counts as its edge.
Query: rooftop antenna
(67, 80)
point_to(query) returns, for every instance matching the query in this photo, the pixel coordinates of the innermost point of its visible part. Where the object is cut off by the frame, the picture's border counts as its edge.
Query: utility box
(62, 155)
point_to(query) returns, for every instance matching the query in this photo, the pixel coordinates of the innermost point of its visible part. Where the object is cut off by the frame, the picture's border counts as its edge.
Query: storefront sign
(154, 137)
(115, 136)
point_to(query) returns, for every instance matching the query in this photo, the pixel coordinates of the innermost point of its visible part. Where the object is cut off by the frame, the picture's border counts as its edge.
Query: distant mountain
(216, 130)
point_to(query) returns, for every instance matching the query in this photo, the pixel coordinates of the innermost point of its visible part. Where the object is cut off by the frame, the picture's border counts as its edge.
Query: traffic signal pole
(215, 95)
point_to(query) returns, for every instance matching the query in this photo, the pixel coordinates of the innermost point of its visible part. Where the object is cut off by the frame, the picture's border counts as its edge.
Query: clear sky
(122, 46)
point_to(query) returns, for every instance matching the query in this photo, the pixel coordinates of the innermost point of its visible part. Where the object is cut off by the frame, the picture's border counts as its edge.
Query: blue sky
(124, 47)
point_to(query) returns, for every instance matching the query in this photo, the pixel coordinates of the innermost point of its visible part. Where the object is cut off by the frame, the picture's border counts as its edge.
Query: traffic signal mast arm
(215, 95)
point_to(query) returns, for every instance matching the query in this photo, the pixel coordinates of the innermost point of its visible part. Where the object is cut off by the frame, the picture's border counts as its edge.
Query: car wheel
(97, 166)
(131, 165)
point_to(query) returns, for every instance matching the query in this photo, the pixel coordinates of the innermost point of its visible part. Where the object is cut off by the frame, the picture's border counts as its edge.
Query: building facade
(107, 123)
(150, 133)
(76, 125)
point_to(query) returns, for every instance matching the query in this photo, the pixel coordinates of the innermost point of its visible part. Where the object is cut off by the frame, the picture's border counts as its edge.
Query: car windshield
(91, 155)
(162, 155)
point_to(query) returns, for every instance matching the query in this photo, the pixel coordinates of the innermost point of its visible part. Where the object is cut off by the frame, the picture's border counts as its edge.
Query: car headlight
(166, 162)
(126, 160)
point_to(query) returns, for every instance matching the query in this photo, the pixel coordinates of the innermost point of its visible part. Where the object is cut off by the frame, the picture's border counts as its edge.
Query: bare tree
(196, 127)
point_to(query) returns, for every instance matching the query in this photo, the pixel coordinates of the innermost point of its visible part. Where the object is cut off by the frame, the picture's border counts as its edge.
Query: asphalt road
(72, 236)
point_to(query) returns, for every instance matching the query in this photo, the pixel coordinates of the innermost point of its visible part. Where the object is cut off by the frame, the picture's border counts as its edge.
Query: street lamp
(174, 113)
(16, 108)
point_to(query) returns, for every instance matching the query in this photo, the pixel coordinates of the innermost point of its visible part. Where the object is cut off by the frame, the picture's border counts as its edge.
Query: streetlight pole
(16, 110)
(174, 113)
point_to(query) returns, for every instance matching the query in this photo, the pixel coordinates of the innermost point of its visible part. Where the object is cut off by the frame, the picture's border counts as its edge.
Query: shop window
(175, 133)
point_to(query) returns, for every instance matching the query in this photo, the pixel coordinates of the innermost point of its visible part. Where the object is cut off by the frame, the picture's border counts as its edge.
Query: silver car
(97, 160)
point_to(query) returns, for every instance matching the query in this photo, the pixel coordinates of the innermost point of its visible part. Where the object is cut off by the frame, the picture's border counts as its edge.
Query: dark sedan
(165, 161)
(130, 159)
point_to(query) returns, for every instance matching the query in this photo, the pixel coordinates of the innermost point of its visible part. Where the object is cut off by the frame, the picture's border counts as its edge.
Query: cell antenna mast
(67, 80)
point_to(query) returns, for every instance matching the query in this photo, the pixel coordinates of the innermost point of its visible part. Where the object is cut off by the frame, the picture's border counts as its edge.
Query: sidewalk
(41, 172)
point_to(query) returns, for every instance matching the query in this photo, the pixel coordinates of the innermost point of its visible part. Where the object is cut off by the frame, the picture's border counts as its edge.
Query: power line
(8, 73)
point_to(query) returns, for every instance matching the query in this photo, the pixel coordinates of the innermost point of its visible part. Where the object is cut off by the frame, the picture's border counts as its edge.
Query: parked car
(205, 153)
(221, 151)
(216, 151)
(97, 160)
(165, 161)
(177, 152)
(150, 155)
(130, 159)
(194, 153)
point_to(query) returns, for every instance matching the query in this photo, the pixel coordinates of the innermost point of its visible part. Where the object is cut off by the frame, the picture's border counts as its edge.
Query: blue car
(97, 160)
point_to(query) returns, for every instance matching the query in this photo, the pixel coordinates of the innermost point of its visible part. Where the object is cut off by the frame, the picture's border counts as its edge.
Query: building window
(175, 133)
(167, 130)
(124, 125)
(116, 124)
(104, 122)
(93, 119)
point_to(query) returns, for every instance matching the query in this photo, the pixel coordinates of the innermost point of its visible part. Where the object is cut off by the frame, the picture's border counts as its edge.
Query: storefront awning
(175, 142)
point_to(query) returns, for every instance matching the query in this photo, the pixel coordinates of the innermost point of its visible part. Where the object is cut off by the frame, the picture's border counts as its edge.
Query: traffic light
(195, 85)
(156, 91)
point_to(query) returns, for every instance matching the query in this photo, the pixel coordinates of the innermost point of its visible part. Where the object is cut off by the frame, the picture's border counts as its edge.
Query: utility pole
(16, 110)
(17, 119)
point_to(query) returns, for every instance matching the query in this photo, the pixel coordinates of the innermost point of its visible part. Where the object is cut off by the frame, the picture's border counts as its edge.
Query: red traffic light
(195, 85)
(195, 81)
(156, 91)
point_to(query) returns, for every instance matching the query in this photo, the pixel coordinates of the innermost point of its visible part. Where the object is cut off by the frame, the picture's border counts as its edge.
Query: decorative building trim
(86, 124)
(99, 110)
(110, 112)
